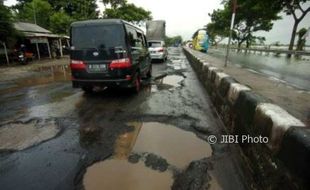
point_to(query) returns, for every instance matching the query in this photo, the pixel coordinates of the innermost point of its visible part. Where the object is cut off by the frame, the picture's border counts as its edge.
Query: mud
(177, 146)
(193, 178)
(107, 175)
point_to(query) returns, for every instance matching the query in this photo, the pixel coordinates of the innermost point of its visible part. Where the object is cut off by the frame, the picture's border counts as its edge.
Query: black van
(108, 52)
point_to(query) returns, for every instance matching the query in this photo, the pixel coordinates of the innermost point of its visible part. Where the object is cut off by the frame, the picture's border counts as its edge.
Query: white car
(158, 50)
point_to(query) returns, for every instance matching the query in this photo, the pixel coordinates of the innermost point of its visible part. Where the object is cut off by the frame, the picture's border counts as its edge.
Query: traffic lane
(294, 71)
(90, 125)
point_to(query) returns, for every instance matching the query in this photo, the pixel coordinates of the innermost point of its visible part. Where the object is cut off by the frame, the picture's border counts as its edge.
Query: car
(108, 53)
(158, 50)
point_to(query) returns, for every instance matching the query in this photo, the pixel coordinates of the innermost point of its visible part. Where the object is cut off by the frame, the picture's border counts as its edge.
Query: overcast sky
(185, 17)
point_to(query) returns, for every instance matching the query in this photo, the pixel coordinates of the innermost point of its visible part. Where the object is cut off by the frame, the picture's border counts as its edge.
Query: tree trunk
(291, 46)
(239, 45)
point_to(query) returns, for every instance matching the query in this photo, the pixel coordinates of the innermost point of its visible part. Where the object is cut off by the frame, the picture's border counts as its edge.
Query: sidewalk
(294, 101)
(14, 71)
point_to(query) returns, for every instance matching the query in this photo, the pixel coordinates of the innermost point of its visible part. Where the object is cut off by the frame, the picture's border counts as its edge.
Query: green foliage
(60, 22)
(7, 30)
(114, 3)
(301, 42)
(169, 41)
(128, 12)
(251, 16)
(82, 9)
(292, 7)
(38, 11)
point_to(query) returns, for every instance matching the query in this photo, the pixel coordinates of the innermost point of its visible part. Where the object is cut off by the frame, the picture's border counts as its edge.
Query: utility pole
(34, 13)
(231, 30)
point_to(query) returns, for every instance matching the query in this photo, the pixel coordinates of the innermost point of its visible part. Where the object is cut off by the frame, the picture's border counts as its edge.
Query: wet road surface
(294, 71)
(57, 137)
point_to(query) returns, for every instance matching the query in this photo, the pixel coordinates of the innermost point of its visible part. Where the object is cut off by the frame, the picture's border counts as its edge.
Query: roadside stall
(40, 41)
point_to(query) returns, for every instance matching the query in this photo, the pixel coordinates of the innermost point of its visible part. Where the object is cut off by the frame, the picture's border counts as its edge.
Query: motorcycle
(22, 59)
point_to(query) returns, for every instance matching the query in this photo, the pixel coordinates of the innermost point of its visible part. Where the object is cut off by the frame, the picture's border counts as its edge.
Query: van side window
(145, 42)
(132, 36)
(141, 42)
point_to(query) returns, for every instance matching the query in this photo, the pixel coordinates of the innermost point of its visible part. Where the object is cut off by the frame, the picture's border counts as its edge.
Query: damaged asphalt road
(57, 137)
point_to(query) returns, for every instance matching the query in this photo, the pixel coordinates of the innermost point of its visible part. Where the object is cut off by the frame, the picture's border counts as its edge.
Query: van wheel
(149, 73)
(137, 82)
(87, 89)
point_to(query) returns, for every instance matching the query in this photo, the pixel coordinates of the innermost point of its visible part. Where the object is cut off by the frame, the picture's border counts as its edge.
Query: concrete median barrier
(245, 112)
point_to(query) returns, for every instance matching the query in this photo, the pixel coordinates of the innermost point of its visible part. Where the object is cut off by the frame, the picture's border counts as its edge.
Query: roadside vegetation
(57, 15)
(254, 16)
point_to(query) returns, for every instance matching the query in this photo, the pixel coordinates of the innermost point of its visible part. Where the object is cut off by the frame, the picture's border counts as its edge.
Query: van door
(144, 52)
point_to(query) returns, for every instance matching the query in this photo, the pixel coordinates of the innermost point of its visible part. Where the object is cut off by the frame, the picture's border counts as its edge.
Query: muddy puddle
(41, 76)
(46, 75)
(120, 174)
(141, 158)
(169, 82)
(177, 146)
(19, 136)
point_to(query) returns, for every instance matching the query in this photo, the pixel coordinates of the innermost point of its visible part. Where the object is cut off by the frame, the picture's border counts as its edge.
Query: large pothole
(159, 146)
(22, 135)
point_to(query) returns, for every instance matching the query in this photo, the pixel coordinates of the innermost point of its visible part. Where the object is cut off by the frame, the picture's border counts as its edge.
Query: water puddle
(120, 174)
(141, 158)
(48, 74)
(169, 81)
(19, 136)
(177, 146)
(42, 75)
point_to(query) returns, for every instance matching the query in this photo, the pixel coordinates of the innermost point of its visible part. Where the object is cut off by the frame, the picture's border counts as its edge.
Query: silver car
(158, 50)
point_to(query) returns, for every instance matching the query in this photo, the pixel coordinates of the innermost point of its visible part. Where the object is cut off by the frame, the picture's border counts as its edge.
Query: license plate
(97, 67)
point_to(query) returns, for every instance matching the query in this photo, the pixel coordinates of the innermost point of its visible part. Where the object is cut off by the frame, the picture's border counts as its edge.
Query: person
(22, 48)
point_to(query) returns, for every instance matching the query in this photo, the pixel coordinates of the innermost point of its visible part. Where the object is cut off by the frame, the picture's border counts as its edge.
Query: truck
(155, 34)
(156, 30)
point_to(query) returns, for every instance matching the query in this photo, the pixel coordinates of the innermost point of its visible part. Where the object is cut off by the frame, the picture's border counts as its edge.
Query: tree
(114, 3)
(169, 41)
(301, 42)
(7, 30)
(218, 29)
(251, 16)
(294, 8)
(128, 12)
(36, 11)
(60, 22)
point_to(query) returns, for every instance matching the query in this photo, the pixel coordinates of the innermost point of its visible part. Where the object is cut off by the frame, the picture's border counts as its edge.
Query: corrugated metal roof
(29, 27)
(34, 34)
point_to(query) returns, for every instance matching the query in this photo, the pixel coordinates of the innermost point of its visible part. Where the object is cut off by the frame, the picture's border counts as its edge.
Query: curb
(244, 112)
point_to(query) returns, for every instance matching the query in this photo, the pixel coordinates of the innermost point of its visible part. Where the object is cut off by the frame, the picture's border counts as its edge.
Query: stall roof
(33, 30)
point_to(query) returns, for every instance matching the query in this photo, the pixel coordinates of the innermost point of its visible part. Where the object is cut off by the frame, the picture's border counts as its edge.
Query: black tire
(149, 73)
(137, 84)
(88, 89)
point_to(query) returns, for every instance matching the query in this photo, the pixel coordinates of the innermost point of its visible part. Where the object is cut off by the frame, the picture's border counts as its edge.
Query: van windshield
(97, 36)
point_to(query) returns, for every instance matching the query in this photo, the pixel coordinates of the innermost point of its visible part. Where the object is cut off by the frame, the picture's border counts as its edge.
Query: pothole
(22, 135)
(169, 81)
(143, 158)
(177, 146)
(120, 174)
